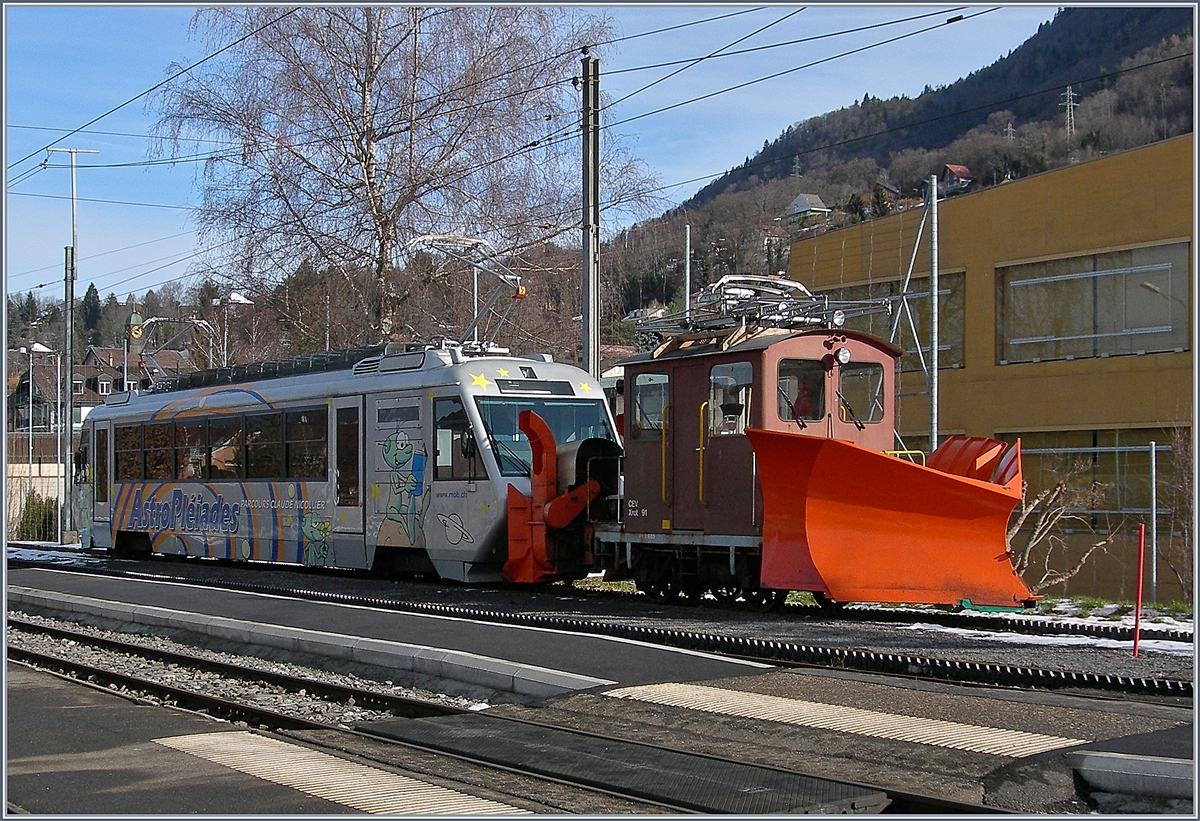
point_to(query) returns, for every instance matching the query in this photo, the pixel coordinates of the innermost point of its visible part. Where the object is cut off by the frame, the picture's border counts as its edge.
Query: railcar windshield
(570, 420)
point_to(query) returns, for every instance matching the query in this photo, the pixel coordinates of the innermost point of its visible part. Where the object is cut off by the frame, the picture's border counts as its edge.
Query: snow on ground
(1177, 648)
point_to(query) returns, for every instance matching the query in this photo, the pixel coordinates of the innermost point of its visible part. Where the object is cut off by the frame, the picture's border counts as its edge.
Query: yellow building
(1065, 320)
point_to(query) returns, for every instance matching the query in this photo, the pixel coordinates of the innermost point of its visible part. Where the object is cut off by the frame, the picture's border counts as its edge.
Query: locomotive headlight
(842, 355)
(838, 318)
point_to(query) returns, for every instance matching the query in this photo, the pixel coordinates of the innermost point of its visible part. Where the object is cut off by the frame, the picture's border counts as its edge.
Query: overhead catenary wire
(698, 60)
(155, 87)
(794, 69)
(909, 125)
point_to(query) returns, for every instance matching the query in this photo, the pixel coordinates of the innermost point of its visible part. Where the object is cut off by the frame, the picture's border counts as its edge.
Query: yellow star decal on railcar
(585, 387)
(480, 381)
(502, 372)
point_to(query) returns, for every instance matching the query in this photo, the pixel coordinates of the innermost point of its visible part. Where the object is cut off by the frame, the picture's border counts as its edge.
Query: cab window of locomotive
(801, 390)
(861, 387)
(264, 446)
(128, 440)
(307, 444)
(159, 451)
(649, 400)
(729, 398)
(100, 471)
(570, 420)
(457, 450)
(225, 448)
(190, 452)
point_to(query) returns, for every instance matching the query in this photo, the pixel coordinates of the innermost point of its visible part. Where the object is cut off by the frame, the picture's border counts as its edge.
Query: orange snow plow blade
(858, 525)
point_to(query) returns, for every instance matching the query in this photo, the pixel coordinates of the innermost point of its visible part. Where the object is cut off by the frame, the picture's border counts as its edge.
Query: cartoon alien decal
(407, 500)
(316, 534)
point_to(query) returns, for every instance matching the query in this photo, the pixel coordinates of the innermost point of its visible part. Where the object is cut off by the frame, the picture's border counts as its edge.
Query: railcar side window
(128, 439)
(729, 398)
(861, 388)
(457, 451)
(801, 393)
(307, 443)
(80, 474)
(100, 472)
(347, 457)
(159, 457)
(650, 392)
(264, 446)
(191, 457)
(225, 448)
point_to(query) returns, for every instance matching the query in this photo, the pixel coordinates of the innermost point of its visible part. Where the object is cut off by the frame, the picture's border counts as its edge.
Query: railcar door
(727, 482)
(648, 453)
(101, 472)
(346, 436)
(688, 437)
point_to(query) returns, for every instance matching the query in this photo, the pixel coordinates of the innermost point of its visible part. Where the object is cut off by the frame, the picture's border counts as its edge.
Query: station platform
(535, 663)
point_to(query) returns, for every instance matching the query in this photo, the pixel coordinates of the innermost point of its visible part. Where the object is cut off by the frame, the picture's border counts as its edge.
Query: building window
(104, 388)
(1097, 305)
(77, 387)
(951, 315)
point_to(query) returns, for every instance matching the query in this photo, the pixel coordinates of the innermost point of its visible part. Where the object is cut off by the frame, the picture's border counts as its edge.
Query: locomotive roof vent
(368, 365)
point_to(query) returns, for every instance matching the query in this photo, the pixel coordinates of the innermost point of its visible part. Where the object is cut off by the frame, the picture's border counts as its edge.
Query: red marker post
(1137, 613)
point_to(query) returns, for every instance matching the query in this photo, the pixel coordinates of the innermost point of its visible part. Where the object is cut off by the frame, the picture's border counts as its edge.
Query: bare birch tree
(344, 132)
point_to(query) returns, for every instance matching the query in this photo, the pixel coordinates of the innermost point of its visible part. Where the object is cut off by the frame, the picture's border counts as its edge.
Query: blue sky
(66, 65)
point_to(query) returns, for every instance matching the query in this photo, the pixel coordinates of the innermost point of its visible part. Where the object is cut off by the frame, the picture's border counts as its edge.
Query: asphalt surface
(74, 750)
(589, 666)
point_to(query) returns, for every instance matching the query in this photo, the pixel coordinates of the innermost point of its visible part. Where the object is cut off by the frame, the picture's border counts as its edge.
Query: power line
(101, 254)
(698, 60)
(104, 202)
(155, 87)
(793, 70)
(799, 41)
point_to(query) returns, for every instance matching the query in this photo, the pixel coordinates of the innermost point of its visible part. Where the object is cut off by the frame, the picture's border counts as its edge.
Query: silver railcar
(394, 458)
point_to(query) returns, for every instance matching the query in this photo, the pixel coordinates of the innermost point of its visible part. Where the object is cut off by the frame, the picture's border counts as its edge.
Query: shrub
(39, 518)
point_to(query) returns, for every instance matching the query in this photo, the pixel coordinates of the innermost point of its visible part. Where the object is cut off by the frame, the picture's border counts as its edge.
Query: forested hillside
(1003, 122)
(1081, 47)
(1129, 69)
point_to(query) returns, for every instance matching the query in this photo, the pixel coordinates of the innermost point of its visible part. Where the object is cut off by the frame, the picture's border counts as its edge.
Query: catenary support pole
(591, 216)
(68, 515)
(934, 340)
(1153, 522)
(687, 271)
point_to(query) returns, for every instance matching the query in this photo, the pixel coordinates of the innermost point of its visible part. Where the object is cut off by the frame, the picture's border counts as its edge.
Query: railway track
(440, 730)
(972, 620)
(909, 665)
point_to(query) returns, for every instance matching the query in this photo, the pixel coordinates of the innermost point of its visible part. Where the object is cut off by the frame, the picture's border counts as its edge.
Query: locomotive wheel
(827, 604)
(727, 597)
(764, 601)
(658, 583)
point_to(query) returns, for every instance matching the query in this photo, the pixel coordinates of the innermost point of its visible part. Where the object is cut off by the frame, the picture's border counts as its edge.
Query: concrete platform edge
(1134, 774)
(497, 674)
